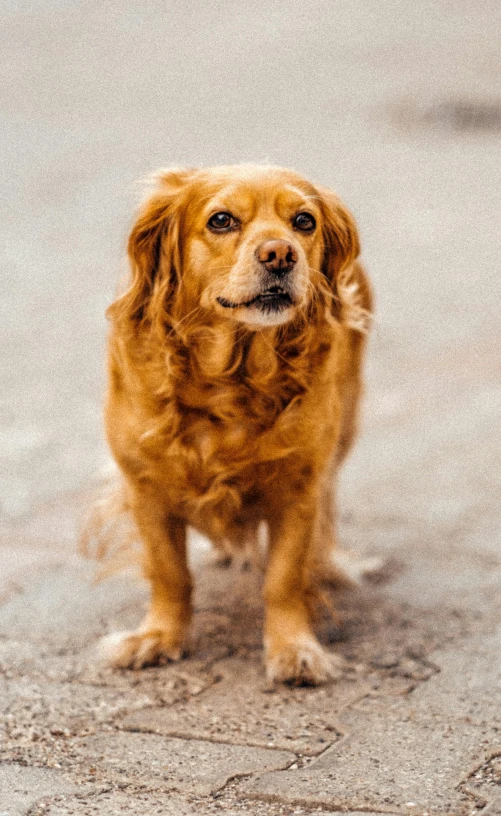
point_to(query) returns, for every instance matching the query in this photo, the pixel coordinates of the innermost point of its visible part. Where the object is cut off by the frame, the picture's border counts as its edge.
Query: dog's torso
(219, 444)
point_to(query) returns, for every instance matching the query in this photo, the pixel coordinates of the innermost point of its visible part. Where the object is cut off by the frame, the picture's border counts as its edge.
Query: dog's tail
(109, 534)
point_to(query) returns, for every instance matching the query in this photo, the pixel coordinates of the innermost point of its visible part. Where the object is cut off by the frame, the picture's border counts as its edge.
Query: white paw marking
(111, 645)
(133, 650)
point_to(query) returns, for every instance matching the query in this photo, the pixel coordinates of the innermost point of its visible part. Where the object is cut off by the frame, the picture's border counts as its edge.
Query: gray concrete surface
(397, 106)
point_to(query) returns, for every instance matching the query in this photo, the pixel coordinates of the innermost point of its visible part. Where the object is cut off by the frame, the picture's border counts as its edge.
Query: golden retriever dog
(234, 381)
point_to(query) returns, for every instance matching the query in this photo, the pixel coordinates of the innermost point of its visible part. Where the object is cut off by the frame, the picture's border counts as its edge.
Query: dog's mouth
(274, 299)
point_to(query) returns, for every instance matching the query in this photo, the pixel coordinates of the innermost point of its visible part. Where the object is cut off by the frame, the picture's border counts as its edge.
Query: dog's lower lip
(274, 297)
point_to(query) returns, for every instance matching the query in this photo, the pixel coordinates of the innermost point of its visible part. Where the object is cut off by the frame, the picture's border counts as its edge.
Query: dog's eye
(304, 221)
(222, 222)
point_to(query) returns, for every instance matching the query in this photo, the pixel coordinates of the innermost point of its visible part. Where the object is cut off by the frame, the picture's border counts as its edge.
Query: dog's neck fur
(227, 370)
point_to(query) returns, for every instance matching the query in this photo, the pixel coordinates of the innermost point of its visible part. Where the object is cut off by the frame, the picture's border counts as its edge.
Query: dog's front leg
(293, 653)
(161, 636)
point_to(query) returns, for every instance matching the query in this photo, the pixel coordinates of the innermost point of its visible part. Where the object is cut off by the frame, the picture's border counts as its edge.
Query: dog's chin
(271, 308)
(256, 316)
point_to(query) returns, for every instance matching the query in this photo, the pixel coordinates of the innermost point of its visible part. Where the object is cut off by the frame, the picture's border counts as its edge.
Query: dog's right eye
(222, 222)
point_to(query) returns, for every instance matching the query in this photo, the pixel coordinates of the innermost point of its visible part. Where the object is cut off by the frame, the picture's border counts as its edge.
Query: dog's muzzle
(277, 257)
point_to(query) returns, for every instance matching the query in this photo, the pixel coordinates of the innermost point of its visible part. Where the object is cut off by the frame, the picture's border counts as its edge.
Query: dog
(235, 375)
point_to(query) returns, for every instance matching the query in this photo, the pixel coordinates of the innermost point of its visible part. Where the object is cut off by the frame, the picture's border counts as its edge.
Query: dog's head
(253, 244)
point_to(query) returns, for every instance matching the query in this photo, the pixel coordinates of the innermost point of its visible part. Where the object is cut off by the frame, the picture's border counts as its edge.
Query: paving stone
(228, 610)
(412, 749)
(468, 686)
(21, 787)
(411, 453)
(67, 609)
(169, 764)
(484, 784)
(387, 760)
(455, 564)
(377, 627)
(54, 525)
(64, 708)
(39, 717)
(162, 684)
(429, 581)
(20, 563)
(242, 709)
(112, 803)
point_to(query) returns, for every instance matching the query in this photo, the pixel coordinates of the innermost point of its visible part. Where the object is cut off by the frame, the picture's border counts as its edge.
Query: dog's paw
(302, 662)
(350, 568)
(134, 650)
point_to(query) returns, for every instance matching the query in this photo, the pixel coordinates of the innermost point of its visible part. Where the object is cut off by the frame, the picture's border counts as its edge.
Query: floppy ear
(345, 278)
(153, 250)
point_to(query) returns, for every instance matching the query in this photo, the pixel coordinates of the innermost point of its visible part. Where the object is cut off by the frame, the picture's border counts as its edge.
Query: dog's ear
(153, 250)
(340, 236)
(342, 248)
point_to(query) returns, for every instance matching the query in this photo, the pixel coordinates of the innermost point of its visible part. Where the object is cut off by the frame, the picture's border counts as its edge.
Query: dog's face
(247, 243)
(255, 244)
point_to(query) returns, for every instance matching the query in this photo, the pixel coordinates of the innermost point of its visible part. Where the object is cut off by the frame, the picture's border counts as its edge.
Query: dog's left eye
(304, 221)
(222, 222)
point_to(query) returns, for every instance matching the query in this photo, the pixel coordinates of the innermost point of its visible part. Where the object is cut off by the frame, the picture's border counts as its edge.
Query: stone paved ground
(397, 105)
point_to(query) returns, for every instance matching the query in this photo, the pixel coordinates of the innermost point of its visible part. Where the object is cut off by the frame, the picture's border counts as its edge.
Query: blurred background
(395, 104)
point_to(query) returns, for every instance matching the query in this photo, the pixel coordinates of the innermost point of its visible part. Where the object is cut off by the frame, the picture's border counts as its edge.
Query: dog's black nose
(277, 256)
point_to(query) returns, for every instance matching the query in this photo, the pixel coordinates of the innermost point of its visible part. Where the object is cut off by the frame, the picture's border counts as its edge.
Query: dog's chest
(214, 442)
(230, 434)
(217, 441)
(231, 429)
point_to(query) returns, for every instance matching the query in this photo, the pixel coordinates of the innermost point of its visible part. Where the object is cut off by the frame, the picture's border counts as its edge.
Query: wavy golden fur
(234, 381)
